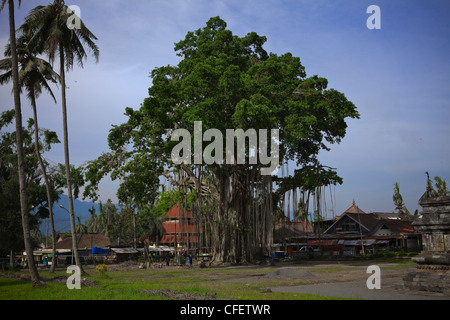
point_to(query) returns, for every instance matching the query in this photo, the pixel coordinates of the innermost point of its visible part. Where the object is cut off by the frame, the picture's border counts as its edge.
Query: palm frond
(4, 2)
(34, 72)
(48, 24)
(5, 78)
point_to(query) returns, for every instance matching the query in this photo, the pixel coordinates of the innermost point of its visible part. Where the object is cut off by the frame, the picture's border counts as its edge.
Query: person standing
(167, 259)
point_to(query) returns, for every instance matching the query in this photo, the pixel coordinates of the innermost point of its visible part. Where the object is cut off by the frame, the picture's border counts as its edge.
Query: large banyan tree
(225, 82)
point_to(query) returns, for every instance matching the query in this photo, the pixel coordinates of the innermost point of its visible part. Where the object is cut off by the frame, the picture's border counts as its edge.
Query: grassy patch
(241, 283)
(12, 289)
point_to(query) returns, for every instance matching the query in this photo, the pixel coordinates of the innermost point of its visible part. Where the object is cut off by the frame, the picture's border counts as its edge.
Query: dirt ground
(344, 279)
(349, 280)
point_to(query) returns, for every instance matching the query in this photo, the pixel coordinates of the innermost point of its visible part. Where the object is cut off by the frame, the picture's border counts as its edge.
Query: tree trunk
(47, 183)
(134, 228)
(11, 259)
(239, 214)
(224, 224)
(20, 152)
(67, 161)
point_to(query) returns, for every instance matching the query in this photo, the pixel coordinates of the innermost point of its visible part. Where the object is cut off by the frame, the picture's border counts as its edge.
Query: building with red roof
(180, 228)
(355, 227)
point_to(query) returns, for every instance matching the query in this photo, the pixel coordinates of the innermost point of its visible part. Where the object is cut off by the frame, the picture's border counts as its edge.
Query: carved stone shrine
(433, 263)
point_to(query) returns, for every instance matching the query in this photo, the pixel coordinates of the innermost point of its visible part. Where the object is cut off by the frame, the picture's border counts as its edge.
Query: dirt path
(351, 282)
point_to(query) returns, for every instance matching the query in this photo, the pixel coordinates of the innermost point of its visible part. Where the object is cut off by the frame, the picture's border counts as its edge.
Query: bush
(393, 254)
(389, 254)
(102, 268)
(412, 254)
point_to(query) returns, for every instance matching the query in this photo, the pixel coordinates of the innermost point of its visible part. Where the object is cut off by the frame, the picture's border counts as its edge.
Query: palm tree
(430, 192)
(48, 24)
(397, 198)
(81, 228)
(403, 211)
(19, 141)
(94, 223)
(441, 187)
(107, 216)
(33, 75)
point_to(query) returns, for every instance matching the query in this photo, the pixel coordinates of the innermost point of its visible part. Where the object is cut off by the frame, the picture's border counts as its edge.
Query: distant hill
(62, 219)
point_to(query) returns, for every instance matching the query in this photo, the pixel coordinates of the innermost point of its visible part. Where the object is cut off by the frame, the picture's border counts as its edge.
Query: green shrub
(102, 268)
(412, 254)
(388, 254)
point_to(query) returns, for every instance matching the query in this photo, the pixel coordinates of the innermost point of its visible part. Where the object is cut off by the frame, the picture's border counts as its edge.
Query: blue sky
(398, 77)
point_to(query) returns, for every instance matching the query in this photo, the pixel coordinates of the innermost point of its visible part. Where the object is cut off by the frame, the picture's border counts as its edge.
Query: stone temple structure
(433, 263)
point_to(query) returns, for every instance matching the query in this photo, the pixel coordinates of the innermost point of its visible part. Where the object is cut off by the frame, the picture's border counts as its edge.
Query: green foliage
(441, 186)
(167, 199)
(11, 232)
(48, 27)
(151, 218)
(227, 82)
(392, 254)
(6, 118)
(438, 190)
(397, 197)
(35, 73)
(111, 221)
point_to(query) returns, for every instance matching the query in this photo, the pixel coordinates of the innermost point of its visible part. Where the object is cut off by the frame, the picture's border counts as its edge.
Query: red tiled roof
(176, 226)
(179, 224)
(180, 239)
(354, 209)
(178, 212)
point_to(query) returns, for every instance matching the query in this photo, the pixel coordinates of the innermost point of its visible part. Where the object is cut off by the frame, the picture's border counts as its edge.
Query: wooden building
(359, 232)
(180, 229)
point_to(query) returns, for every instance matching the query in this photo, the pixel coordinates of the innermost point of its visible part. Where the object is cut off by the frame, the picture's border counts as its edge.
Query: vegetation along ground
(253, 282)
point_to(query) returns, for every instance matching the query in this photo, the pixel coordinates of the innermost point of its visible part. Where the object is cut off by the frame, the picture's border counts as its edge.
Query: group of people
(183, 253)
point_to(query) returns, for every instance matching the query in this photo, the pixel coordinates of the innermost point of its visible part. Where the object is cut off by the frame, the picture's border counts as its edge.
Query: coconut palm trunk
(48, 24)
(33, 76)
(20, 152)
(44, 174)
(62, 75)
